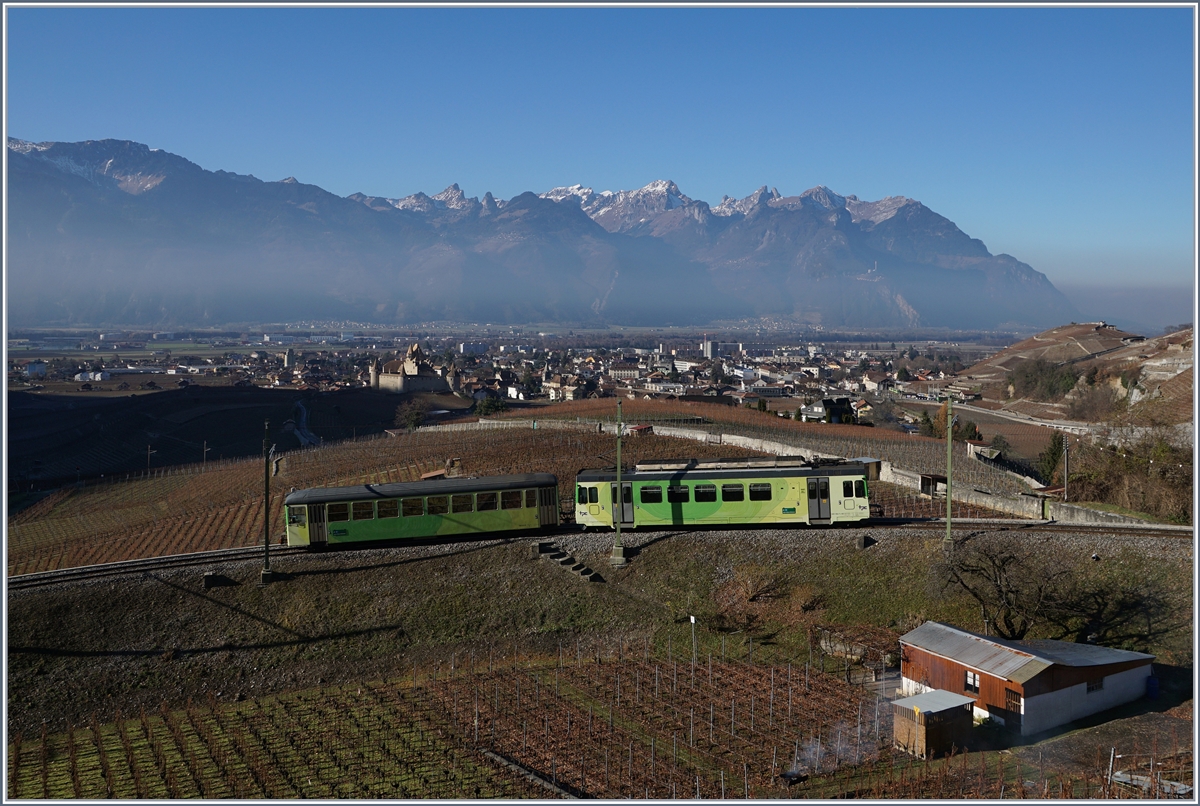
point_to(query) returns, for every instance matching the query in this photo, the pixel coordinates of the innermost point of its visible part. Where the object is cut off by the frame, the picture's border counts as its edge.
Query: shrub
(490, 405)
(1042, 380)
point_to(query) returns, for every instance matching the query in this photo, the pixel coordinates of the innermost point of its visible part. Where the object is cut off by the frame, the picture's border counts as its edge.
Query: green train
(422, 509)
(775, 490)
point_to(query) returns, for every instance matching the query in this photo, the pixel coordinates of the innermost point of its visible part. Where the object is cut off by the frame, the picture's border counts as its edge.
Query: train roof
(758, 467)
(370, 492)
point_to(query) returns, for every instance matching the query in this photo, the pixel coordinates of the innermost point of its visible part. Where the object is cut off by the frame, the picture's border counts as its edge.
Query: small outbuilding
(1027, 686)
(932, 723)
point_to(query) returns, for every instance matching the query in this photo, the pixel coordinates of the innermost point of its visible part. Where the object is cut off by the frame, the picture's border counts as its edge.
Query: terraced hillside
(1153, 375)
(197, 508)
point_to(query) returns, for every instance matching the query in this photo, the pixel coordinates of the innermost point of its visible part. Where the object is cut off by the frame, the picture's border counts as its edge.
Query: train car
(421, 509)
(785, 490)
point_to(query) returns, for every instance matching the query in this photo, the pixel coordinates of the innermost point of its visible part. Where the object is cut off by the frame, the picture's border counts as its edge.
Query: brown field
(1027, 440)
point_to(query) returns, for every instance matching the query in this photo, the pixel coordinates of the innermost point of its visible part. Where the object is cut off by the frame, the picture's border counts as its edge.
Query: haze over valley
(112, 231)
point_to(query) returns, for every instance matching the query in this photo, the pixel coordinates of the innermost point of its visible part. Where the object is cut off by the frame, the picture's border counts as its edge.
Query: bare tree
(1116, 605)
(1014, 582)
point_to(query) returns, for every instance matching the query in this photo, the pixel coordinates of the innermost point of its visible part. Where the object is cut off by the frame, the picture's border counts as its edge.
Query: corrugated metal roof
(1030, 670)
(370, 492)
(933, 701)
(1018, 662)
(983, 654)
(1068, 653)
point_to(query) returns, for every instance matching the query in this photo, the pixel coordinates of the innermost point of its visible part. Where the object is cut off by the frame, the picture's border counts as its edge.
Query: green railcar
(778, 490)
(421, 509)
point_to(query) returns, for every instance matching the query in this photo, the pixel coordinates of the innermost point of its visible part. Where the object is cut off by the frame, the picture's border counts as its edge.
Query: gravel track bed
(782, 544)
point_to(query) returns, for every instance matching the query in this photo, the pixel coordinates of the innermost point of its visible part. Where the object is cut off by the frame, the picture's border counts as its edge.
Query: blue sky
(1063, 137)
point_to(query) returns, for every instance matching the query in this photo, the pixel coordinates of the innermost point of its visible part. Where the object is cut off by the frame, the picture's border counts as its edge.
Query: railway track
(209, 558)
(142, 566)
(989, 524)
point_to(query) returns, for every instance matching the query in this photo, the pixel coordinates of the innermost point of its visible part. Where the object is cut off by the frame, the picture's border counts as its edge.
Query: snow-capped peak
(585, 196)
(824, 198)
(452, 198)
(875, 211)
(24, 146)
(730, 206)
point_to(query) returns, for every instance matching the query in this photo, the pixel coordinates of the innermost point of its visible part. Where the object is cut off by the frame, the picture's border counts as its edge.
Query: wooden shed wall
(938, 672)
(925, 737)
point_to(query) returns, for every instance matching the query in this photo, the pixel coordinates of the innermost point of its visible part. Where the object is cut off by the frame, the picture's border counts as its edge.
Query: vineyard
(197, 508)
(220, 505)
(622, 719)
(914, 453)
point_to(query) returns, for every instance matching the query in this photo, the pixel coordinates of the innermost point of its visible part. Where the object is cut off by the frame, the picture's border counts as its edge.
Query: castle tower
(375, 374)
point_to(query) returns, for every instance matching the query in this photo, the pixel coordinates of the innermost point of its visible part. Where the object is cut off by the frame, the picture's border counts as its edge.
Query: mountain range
(115, 232)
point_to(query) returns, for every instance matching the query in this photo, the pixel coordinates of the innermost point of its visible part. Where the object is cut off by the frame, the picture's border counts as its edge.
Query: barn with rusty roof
(1028, 686)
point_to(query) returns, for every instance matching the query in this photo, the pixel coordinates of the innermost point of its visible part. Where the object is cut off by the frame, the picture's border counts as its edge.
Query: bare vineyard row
(377, 741)
(614, 720)
(211, 510)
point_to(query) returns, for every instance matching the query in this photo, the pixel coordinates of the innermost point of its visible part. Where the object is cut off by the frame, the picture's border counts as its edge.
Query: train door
(548, 506)
(818, 499)
(625, 510)
(316, 525)
(848, 502)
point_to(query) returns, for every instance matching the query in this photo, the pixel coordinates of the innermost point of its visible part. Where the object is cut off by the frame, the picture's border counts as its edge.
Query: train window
(461, 503)
(438, 504)
(678, 494)
(296, 515)
(847, 489)
(412, 506)
(364, 510)
(760, 492)
(733, 492)
(812, 491)
(652, 495)
(530, 499)
(510, 499)
(339, 512)
(485, 501)
(387, 509)
(593, 495)
(706, 493)
(860, 488)
(582, 497)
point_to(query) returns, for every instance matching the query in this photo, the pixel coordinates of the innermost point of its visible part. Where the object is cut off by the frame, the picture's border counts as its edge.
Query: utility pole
(618, 553)
(1066, 443)
(148, 452)
(949, 541)
(204, 454)
(266, 569)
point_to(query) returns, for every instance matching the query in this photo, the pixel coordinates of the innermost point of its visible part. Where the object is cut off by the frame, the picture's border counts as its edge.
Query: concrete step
(552, 551)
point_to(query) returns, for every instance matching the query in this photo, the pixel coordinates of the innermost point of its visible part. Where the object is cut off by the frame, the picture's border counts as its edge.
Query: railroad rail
(143, 566)
(998, 524)
(209, 558)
